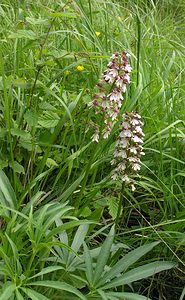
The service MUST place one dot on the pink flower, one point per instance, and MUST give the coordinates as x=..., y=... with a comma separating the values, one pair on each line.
x=108, y=100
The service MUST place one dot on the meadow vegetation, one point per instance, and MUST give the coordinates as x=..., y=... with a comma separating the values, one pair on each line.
x=68, y=230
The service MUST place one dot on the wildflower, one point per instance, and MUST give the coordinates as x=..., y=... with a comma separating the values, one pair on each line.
x=109, y=97
x=128, y=149
x=95, y=136
x=119, y=19
x=80, y=68
x=66, y=73
x=98, y=33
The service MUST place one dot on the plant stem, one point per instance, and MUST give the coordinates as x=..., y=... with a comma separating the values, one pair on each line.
x=119, y=205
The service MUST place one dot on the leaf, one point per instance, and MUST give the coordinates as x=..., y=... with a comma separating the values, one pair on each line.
x=3, y=164
x=17, y=167
x=47, y=270
x=103, y=256
x=126, y=261
x=20, y=133
x=127, y=296
x=18, y=295
x=34, y=295
x=38, y=21
x=7, y=190
x=88, y=264
x=48, y=119
x=59, y=286
x=140, y=273
x=183, y=294
x=8, y=290
x=29, y=34
x=51, y=163
x=113, y=204
x=78, y=240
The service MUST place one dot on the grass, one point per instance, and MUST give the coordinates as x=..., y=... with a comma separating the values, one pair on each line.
x=56, y=179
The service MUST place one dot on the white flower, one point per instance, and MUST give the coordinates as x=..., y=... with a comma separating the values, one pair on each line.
x=133, y=187
x=136, y=139
x=109, y=78
x=136, y=167
x=105, y=103
x=114, y=176
x=138, y=129
x=121, y=166
x=115, y=96
x=126, y=78
x=125, y=178
x=128, y=68
x=125, y=133
x=122, y=142
x=133, y=159
x=113, y=72
x=95, y=137
x=113, y=114
x=133, y=150
x=122, y=154
x=125, y=125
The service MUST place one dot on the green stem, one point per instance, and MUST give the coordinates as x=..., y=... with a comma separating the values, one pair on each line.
x=119, y=205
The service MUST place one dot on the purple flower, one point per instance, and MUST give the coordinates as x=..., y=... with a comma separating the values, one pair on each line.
x=109, y=97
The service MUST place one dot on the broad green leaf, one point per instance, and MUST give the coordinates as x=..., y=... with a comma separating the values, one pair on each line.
x=20, y=133
x=113, y=204
x=51, y=163
x=68, y=225
x=126, y=261
x=78, y=240
x=127, y=296
x=103, y=256
x=18, y=168
x=34, y=295
x=7, y=190
x=140, y=273
x=47, y=270
x=7, y=291
x=88, y=264
x=59, y=286
x=48, y=119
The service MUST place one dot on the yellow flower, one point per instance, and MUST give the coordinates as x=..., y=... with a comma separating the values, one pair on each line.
x=66, y=73
x=98, y=33
x=80, y=68
x=119, y=19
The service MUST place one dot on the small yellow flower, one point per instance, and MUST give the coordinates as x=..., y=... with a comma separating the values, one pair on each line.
x=80, y=68
x=98, y=33
x=66, y=73
x=119, y=19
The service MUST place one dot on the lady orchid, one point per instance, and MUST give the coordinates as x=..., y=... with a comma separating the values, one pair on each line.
x=108, y=100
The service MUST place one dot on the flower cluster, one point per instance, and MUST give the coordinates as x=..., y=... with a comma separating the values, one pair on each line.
x=128, y=149
x=108, y=100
